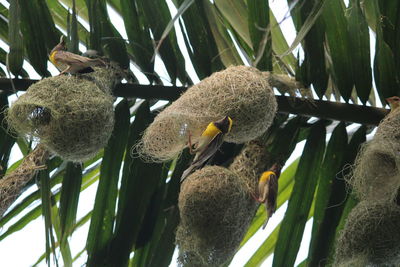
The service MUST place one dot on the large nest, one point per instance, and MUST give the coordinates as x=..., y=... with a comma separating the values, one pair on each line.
x=71, y=115
x=377, y=169
x=372, y=232
x=215, y=210
x=241, y=92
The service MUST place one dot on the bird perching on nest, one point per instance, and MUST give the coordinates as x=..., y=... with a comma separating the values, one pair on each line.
x=68, y=62
x=210, y=141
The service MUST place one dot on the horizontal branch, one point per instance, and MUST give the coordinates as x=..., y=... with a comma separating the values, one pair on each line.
x=299, y=106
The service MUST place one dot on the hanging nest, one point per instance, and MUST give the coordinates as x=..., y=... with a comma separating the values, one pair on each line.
x=241, y=92
x=216, y=208
x=12, y=184
x=215, y=211
x=371, y=234
x=376, y=174
x=71, y=115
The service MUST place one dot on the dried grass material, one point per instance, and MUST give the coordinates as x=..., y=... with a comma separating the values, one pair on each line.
x=215, y=211
x=241, y=92
x=252, y=161
x=70, y=115
x=12, y=184
x=376, y=174
x=358, y=261
x=372, y=229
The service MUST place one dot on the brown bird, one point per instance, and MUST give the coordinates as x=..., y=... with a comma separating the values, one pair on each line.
x=68, y=62
x=210, y=141
x=394, y=102
x=268, y=189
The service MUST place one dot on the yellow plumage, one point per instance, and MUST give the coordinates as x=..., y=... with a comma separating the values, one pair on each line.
x=268, y=189
x=208, y=143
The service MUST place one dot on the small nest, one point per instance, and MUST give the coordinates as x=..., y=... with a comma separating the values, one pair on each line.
x=215, y=211
x=241, y=92
x=371, y=232
x=71, y=115
x=12, y=184
x=377, y=169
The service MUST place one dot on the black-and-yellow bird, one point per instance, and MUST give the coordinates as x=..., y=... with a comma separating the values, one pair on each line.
x=209, y=142
x=394, y=102
x=68, y=62
x=268, y=189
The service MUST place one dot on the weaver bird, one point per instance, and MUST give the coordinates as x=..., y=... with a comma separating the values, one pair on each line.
x=268, y=189
x=394, y=102
x=210, y=141
x=72, y=63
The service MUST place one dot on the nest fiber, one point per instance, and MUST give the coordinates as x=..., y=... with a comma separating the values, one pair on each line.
x=241, y=92
x=376, y=174
x=71, y=115
x=13, y=183
x=372, y=229
x=215, y=211
x=251, y=162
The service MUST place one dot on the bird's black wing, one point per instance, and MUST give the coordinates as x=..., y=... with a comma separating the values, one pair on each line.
x=206, y=155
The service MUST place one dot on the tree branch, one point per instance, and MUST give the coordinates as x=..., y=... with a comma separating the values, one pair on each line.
x=299, y=106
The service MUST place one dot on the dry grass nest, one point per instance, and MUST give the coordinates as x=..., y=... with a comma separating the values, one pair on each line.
x=12, y=184
x=241, y=92
x=71, y=115
x=215, y=211
x=371, y=234
x=376, y=173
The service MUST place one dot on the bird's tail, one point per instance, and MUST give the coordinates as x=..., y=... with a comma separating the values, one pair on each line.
x=97, y=62
x=187, y=172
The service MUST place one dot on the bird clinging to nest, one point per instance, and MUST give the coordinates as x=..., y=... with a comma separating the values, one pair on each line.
x=68, y=62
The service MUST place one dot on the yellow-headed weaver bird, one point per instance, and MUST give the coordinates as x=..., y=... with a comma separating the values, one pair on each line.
x=394, y=102
x=68, y=62
x=268, y=189
x=210, y=141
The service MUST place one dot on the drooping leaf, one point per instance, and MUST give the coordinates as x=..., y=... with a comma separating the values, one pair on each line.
x=330, y=186
x=47, y=211
x=15, y=57
x=202, y=49
x=359, y=41
x=169, y=51
x=306, y=178
x=140, y=41
x=103, y=217
x=103, y=35
x=70, y=191
x=235, y=13
x=139, y=181
x=227, y=52
x=260, y=33
x=34, y=36
x=338, y=43
x=167, y=220
x=314, y=70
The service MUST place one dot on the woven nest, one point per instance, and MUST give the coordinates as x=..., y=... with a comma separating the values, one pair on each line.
x=215, y=211
x=376, y=173
x=71, y=115
x=216, y=208
x=12, y=184
x=372, y=233
x=241, y=92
